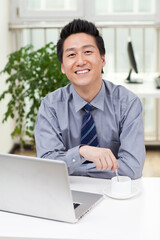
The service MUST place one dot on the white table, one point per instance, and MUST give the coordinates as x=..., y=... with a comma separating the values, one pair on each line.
x=145, y=90
x=137, y=218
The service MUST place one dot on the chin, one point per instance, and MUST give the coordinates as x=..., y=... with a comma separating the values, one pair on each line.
x=83, y=83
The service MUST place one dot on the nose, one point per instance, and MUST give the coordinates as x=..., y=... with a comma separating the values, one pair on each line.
x=81, y=60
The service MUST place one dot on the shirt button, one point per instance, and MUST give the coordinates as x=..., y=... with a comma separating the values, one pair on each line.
x=73, y=160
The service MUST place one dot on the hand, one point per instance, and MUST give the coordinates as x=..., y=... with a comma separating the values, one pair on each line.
x=102, y=157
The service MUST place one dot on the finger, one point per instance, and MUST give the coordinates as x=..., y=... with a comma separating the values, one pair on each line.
x=115, y=166
x=114, y=162
x=109, y=162
x=110, y=158
x=98, y=164
x=104, y=163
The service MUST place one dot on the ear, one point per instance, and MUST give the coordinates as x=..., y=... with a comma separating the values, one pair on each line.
x=103, y=60
x=62, y=69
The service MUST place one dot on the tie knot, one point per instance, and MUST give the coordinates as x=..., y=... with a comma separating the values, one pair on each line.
x=88, y=107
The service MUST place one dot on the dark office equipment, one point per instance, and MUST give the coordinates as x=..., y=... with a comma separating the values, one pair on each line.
x=133, y=64
x=157, y=82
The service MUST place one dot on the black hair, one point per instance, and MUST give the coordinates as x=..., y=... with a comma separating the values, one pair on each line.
x=79, y=26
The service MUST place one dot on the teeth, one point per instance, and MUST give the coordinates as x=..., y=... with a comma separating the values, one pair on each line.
x=83, y=71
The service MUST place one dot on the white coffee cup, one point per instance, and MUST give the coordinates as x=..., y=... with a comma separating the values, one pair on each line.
x=121, y=187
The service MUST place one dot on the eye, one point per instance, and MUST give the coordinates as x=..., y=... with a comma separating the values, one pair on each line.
x=71, y=55
x=88, y=52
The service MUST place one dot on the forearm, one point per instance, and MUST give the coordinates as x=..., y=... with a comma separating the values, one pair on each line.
x=131, y=155
x=71, y=157
x=131, y=161
x=50, y=142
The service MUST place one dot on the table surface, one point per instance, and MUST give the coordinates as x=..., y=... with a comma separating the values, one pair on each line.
x=145, y=90
x=136, y=218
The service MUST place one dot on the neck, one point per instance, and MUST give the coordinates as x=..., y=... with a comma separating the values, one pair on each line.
x=88, y=93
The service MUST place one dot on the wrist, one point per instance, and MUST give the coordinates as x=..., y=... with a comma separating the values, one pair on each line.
x=82, y=150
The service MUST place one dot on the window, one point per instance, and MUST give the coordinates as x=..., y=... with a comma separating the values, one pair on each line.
x=40, y=21
x=45, y=10
x=94, y=10
x=103, y=7
x=126, y=10
x=50, y=5
x=106, y=13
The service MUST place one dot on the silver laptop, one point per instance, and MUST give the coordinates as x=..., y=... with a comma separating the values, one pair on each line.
x=40, y=188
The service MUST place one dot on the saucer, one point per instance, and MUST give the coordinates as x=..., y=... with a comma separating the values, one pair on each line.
x=134, y=192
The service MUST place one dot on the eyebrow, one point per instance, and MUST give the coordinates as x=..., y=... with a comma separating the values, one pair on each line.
x=83, y=47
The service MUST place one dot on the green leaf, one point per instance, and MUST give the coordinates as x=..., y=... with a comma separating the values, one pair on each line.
x=32, y=74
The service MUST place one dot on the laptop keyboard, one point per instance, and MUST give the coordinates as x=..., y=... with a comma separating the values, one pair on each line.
x=75, y=205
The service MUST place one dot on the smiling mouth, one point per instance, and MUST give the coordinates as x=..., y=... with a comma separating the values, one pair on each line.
x=82, y=71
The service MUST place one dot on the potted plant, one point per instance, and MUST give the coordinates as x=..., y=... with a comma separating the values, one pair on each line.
x=31, y=75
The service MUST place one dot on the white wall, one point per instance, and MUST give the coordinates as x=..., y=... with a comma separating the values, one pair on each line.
x=6, y=142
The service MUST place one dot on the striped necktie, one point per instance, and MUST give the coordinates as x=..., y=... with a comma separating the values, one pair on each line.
x=88, y=129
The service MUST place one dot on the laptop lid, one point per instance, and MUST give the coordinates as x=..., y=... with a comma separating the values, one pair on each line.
x=40, y=187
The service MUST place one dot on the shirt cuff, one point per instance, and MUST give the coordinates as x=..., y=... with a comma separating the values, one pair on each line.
x=74, y=159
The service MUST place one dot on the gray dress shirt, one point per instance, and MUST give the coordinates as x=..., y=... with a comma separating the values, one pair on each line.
x=118, y=118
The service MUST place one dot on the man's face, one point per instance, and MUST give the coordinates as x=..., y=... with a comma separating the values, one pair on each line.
x=82, y=62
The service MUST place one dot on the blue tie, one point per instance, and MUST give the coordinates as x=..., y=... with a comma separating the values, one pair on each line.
x=88, y=129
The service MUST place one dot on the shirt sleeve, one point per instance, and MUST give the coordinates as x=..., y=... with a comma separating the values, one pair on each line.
x=131, y=154
x=49, y=141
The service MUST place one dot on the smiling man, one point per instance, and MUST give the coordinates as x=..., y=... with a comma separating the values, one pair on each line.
x=93, y=125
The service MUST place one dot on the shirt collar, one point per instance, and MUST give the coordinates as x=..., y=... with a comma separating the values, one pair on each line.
x=97, y=102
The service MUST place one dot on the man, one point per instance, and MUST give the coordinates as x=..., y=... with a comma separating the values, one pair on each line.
x=93, y=125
